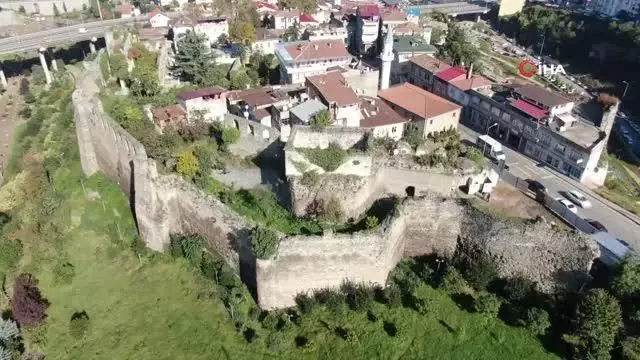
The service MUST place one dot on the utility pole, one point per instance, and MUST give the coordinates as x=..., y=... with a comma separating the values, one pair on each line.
x=99, y=10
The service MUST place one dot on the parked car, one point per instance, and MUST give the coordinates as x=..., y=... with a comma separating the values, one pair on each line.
x=578, y=198
x=535, y=186
x=568, y=204
x=596, y=225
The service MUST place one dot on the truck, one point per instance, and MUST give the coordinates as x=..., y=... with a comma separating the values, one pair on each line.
x=491, y=147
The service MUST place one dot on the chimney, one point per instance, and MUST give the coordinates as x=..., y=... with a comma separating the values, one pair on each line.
x=470, y=71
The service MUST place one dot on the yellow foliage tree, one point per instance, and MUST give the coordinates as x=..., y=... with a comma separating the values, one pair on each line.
x=188, y=164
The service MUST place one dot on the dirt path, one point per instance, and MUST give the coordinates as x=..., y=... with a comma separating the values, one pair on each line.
x=10, y=104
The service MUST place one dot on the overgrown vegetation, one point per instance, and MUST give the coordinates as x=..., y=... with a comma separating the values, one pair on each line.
x=264, y=242
x=321, y=120
x=329, y=159
x=621, y=187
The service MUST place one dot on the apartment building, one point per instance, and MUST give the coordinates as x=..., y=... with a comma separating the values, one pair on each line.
x=307, y=58
x=564, y=141
x=211, y=103
x=381, y=119
x=332, y=90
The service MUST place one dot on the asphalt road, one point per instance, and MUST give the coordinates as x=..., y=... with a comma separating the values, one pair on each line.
x=602, y=210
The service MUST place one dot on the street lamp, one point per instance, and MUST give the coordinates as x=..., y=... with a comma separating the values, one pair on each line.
x=542, y=46
x=626, y=87
x=494, y=124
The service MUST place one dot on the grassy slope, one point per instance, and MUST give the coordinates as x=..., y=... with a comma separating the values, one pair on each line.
x=154, y=307
x=620, y=187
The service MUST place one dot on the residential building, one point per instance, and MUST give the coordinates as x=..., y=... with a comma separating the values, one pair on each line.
x=406, y=47
x=393, y=17
x=422, y=70
x=211, y=103
x=454, y=82
x=127, y=10
x=306, y=20
x=613, y=7
x=565, y=141
x=158, y=19
x=266, y=40
x=304, y=112
x=265, y=8
x=258, y=104
x=370, y=15
x=546, y=100
x=329, y=33
x=211, y=28
x=306, y=58
x=510, y=7
x=282, y=20
x=172, y=115
x=332, y=89
x=409, y=28
x=424, y=110
x=381, y=119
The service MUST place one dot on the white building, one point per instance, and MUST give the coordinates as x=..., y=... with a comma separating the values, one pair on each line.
x=306, y=58
x=329, y=33
x=332, y=89
x=211, y=28
x=266, y=40
x=282, y=20
x=158, y=19
x=613, y=7
x=210, y=102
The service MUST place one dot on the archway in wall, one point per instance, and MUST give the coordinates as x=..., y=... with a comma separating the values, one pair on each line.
x=410, y=191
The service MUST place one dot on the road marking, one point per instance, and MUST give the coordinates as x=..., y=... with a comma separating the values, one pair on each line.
x=548, y=176
x=513, y=164
x=523, y=171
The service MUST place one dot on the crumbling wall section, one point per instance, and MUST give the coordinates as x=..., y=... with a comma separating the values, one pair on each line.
x=432, y=225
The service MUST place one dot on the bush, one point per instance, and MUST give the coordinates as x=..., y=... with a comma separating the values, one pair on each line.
x=536, y=320
x=332, y=299
x=321, y=120
x=188, y=164
x=607, y=100
x=480, y=272
x=393, y=296
x=359, y=297
x=413, y=136
x=371, y=222
x=230, y=135
x=271, y=320
x=79, y=324
x=487, y=304
x=264, y=242
x=8, y=331
x=305, y=303
x=189, y=247
x=28, y=305
x=310, y=178
x=329, y=159
x=421, y=304
x=10, y=253
x=452, y=282
x=333, y=211
x=476, y=156
x=518, y=289
x=194, y=130
x=205, y=155
x=63, y=273
x=630, y=348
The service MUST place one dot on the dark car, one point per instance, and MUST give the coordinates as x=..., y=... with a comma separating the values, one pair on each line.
x=596, y=224
x=535, y=186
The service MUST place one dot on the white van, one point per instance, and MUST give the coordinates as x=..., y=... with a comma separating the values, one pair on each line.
x=490, y=146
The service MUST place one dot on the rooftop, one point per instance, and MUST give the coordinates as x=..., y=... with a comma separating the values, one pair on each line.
x=394, y=15
x=369, y=10
x=315, y=50
x=268, y=34
x=258, y=97
x=409, y=28
x=150, y=33
x=125, y=8
x=306, y=18
x=429, y=63
x=457, y=76
x=376, y=112
x=161, y=114
x=333, y=87
x=287, y=13
x=417, y=101
x=540, y=95
x=452, y=73
x=307, y=109
x=529, y=109
x=412, y=43
x=266, y=5
x=188, y=95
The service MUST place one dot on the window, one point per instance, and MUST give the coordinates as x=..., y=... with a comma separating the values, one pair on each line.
x=455, y=113
x=560, y=148
x=495, y=111
x=393, y=129
x=430, y=122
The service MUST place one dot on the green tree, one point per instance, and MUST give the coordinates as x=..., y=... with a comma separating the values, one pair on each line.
x=321, y=120
x=214, y=76
x=144, y=76
x=371, y=222
x=230, y=135
x=452, y=282
x=244, y=33
x=240, y=80
x=193, y=58
x=187, y=164
x=596, y=324
x=626, y=284
x=56, y=12
x=264, y=242
x=480, y=272
x=437, y=34
x=119, y=66
x=630, y=348
x=537, y=321
x=488, y=304
x=458, y=48
x=413, y=136
x=292, y=33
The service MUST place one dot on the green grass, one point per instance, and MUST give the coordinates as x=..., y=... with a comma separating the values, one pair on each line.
x=620, y=187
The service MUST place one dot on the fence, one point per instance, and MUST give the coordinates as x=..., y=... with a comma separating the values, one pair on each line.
x=550, y=203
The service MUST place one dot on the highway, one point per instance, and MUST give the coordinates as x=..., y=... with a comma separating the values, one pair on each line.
x=619, y=222
x=62, y=35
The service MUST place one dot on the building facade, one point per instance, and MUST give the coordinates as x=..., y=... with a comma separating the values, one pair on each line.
x=210, y=103
x=306, y=58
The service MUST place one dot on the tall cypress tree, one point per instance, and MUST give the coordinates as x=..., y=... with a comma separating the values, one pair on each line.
x=192, y=58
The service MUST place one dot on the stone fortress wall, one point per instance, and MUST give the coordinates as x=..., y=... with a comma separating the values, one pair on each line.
x=166, y=204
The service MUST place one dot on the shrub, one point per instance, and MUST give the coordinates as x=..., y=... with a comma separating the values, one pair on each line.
x=332, y=299
x=452, y=282
x=189, y=247
x=305, y=303
x=518, y=288
x=10, y=253
x=270, y=320
x=250, y=335
x=230, y=135
x=188, y=164
x=205, y=155
x=371, y=222
x=630, y=348
x=536, y=321
x=194, y=130
x=487, y=304
x=310, y=178
x=28, y=305
x=413, y=136
x=422, y=304
x=321, y=120
x=79, y=324
x=476, y=156
x=329, y=159
x=393, y=296
x=333, y=211
x=480, y=272
x=264, y=242
x=63, y=273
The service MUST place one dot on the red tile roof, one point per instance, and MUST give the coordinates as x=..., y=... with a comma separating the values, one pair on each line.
x=125, y=8
x=474, y=82
x=306, y=18
x=257, y=97
x=541, y=95
x=429, y=63
x=188, y=95
x=394, y=15
x=333, y=88
x=376, y=112
x=407, y=28
x=317, y=49
x=155, y=12
x=453, y=73
x=529, y=109
x=369, y=10
x=417, y=101
x=261, y=4
x=162, y=114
